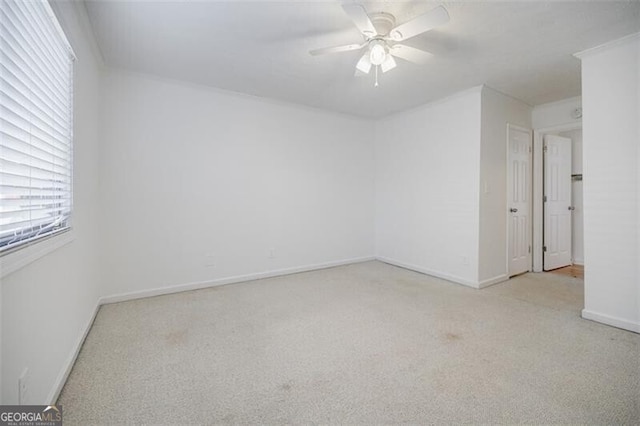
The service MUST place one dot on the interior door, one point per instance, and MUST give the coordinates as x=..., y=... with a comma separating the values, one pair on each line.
x=519, y=200
x=557, y=202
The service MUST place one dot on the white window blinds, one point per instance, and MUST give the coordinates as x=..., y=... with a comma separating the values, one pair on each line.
x=36, y=123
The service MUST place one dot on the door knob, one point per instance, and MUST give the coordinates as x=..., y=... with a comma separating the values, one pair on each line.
x=512, y=210
x=571, y=208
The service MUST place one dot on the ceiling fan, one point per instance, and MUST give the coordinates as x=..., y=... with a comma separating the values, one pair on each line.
x=382, y=38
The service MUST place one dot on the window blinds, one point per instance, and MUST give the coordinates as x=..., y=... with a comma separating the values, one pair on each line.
x=36, y=94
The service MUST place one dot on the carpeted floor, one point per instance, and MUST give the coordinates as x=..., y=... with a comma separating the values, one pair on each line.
x=366, y=343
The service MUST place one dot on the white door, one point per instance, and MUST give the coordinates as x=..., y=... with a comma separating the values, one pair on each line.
x=519, y=199
x=557, y=202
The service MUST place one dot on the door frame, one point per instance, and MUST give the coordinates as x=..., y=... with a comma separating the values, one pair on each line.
x=538, y=188
x=531, y=164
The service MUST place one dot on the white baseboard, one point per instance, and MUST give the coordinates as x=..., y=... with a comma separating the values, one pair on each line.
x=68, y=365
x=610, y=320
x=578, y=262
x=228, y=280
x=492, y=281
x=437, y=274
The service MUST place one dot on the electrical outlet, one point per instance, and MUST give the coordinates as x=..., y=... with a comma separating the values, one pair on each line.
x=272, y=253
x=210, y=260
x=23, y=387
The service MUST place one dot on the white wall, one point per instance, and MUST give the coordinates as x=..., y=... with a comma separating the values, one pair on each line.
x=47, y=304
x=498, y=110
x=611, y=160
x=556, y=113
x=427, y=180
x=189, y=171
x=577, y=231
x=187, y=176
x=441, y=186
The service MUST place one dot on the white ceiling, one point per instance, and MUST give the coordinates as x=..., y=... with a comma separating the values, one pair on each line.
x=522, y=48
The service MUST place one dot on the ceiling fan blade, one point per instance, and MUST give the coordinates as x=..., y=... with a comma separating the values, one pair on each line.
x=359, y=16
x=359, y=73
x=410, y=54
x=421, y=24
x=336, y=49
x=388, y=64
x=364, y=64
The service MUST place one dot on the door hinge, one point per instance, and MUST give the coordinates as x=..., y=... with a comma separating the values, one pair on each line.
x=545, y=148
x=529, y=249
x=544, y=198
x=544, y=248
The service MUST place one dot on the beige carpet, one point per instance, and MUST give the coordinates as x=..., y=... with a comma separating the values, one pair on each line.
x=366, y=343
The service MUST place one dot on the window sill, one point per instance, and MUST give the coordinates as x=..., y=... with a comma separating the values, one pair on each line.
x=12, y=262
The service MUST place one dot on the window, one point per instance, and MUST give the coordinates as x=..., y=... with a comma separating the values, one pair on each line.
x=36, y=124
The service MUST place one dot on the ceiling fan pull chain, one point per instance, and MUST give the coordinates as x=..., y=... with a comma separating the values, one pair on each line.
x=376, y=84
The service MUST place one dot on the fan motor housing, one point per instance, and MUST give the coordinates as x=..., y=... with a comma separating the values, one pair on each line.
x=383, y=22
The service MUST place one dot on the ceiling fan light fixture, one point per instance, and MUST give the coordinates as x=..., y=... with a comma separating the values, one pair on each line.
x=388, y=64
x=377, y=53
x=364, y=64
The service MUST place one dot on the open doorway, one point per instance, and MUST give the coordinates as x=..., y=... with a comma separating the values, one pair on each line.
x=577, y=210
x=562, y=200
x=560, y=216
